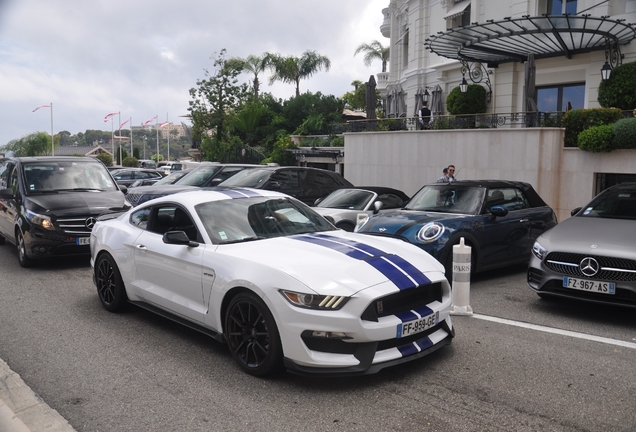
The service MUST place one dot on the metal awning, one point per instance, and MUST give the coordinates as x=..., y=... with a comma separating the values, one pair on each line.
x=509, y=40
x=457, y=10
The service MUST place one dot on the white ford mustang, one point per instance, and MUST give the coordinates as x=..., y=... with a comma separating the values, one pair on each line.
x=278, y=283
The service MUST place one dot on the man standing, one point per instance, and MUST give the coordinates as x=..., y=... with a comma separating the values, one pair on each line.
x=449, y=175
x=425, y=117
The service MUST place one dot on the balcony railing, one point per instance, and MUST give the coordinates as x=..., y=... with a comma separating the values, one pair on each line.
x=498, y=120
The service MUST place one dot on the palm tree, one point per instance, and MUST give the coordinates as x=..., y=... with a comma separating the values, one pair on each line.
x=374, y=51
x=252, y=64
x=292, y=69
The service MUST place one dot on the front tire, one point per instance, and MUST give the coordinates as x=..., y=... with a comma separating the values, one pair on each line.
x=252, y=335
x=23, y=259
x=110, y=286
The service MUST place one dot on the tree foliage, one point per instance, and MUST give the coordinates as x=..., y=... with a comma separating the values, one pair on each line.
x=620, y=90
x=471, y=102
x=35, y=144
x=212, y=105
x=374, y=51
x=357, y=99
x=254, y=65
x=291, y=69
x=105, y=158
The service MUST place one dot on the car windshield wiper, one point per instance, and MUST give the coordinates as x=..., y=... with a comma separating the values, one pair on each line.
x=79, y=189
x=245, y=239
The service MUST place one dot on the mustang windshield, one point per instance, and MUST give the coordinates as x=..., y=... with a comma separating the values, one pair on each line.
x=448, y=199
x=351, y=199
x=614, y=204
x=238, y=220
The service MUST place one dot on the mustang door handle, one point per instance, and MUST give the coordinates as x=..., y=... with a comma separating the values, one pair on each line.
x=141, y=247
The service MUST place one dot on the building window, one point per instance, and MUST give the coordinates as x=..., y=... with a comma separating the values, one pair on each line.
x=606, y=180
x=405, y=49
x=560, y=7
x=458, y=15
x=561, y=97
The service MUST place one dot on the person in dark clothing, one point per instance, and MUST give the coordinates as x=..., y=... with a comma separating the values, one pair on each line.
x=425, y=117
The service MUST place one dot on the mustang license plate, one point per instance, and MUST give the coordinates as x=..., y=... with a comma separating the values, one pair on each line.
x=418, y=325
x=589, y=285
x=82, y=240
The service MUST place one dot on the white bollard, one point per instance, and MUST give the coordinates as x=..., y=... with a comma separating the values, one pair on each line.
x=460, y=293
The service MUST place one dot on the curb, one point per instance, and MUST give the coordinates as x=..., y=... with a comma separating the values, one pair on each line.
x=21, y=410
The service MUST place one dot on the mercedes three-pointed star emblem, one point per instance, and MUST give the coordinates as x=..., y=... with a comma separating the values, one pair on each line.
x=589, y=266
x=90, y=222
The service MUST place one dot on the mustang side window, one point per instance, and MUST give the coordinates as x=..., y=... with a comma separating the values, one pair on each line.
x=140, y=218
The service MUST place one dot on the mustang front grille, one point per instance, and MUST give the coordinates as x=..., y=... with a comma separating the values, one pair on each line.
x=403, y=301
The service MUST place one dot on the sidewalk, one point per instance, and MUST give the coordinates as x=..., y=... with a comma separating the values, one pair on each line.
x=21, y=410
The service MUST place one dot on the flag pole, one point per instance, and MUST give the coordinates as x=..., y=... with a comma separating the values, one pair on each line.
x=112, y=138
x=120, y=155
x=157, y=127
x=52, y=136
x=131, y=146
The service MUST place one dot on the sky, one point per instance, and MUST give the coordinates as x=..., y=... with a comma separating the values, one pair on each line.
x=88, y=58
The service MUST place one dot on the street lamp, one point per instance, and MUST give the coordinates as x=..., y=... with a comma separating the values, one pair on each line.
x=425, y=96
x=463, y=87
x=606, y=71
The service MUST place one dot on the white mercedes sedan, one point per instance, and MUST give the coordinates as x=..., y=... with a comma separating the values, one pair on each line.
x=278, y=283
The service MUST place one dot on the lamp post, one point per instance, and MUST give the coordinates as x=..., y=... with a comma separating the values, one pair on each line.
x=463, y=87
x=425, y=95
x=606, y=71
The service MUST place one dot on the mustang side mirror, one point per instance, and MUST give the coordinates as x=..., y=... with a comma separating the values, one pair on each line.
x=377, y=206
x=273, y=186
x=178, y=238
x=575, y=211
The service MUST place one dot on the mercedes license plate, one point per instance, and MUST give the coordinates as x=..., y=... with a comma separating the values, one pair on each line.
x=589, y=285
x=418, y=325
x=82, y=241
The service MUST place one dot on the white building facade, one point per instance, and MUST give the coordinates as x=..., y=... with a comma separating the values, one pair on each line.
x=568, y=72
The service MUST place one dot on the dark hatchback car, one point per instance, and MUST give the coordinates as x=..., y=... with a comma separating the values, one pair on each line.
x=128, y=176
x=206, y=175
x=48, y=205
x=499, y=219
x=303, y=183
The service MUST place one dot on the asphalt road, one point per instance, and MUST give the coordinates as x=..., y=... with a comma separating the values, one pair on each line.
x=135, y=371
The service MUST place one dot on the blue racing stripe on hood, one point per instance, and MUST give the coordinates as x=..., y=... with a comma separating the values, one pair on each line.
x=239, y=193
x=399, y=271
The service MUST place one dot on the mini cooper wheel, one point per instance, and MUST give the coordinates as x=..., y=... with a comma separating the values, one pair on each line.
x=252, y=335
x=110, y=286
x=23, y=259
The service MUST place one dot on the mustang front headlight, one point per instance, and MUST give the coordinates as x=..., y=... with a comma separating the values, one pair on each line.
x=539, y=251
x=313, y=301
x=430, y=232
x=41, y=220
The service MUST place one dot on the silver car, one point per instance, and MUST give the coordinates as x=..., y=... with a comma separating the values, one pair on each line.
x=590, y=256
x=341, y=207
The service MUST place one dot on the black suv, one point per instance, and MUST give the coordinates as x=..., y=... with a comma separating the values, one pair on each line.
x=205, y=175
x=48, y=205
x=303, y=183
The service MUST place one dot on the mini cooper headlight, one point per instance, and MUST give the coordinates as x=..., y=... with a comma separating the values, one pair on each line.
x=313, y=301
x=539, y=251
x=41, y=220
x=430, y=232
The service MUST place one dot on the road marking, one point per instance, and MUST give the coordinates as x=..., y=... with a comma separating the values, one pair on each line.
x=557, y=331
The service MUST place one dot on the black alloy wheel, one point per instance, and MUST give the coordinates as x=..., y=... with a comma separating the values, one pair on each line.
x=252, y=334
x=23, y=259
x=110, y=286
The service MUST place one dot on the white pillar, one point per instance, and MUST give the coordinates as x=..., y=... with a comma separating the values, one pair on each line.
x=460, y=293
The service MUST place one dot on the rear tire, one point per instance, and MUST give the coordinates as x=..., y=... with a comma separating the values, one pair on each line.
x=252, y=335
x=23, y=259
x=110, y=286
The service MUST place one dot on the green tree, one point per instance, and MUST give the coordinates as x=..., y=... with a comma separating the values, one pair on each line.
x=291, y=69
x=35, y=144
x=620, y=90
x=212, y=105
x=254, y=65
x=130, y=161
x=105, y=158
x=374, y=51
x=325, y=111
x=357, y=99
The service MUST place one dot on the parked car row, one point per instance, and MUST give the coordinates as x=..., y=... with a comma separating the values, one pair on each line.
x=261, y=253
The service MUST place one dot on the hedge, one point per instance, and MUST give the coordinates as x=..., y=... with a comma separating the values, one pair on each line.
x=576, y=121
x=624, y=133
x=596, y=139
x=620, y=90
